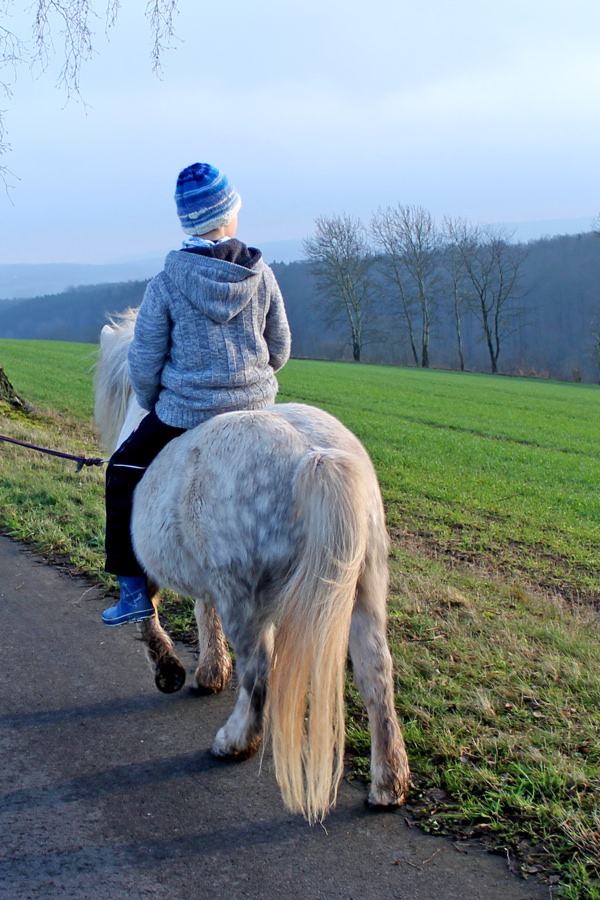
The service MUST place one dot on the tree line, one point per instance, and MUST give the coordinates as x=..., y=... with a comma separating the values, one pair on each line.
x=404, y=268
x=549, y=326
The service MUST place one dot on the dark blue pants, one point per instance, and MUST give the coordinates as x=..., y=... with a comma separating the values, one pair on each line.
x=125, y=469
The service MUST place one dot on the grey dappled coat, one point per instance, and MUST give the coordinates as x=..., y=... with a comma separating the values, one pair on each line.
x=209, y=336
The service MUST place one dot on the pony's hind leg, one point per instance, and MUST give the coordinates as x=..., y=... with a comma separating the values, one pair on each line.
x=372, y=663
x=169, y=674
x=241, y=736
x=214, y=662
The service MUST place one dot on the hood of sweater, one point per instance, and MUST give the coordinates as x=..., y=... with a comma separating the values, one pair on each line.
x=219, y=288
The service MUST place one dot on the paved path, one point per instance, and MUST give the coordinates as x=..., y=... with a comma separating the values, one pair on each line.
x=108, y=792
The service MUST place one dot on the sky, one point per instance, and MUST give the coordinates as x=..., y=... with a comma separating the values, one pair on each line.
x=474, y=108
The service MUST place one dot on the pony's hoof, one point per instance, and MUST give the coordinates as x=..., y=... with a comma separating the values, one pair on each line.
x=213, y=680
x=382, y=800
x=235, y=754
x=169, y=675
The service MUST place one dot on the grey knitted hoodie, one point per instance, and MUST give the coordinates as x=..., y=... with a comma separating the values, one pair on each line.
x=209, y=337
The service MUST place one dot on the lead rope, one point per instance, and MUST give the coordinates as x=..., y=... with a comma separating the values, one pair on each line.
x=80, y=460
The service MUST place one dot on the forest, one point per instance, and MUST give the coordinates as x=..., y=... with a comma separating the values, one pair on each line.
x=551, y=328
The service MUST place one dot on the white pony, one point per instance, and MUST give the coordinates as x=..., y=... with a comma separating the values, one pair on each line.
x=272, y=521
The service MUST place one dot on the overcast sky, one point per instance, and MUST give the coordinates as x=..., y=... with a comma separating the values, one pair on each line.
x=475, y=108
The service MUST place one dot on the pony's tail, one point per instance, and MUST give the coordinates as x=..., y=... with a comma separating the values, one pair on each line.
x=306, y=689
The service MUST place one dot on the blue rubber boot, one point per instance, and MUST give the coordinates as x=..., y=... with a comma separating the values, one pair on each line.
x=134, y=605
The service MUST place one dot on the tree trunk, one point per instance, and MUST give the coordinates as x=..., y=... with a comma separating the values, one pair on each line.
x=8, y=393
x=459, y=340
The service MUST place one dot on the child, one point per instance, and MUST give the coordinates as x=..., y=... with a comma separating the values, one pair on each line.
x=210, y=334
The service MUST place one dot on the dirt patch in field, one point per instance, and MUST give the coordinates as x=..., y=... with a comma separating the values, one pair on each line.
x=507, y=569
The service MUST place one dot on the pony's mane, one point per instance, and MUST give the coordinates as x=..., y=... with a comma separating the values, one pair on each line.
x=112, y=386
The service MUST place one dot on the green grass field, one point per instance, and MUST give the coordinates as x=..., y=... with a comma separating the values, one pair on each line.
x=491, y=491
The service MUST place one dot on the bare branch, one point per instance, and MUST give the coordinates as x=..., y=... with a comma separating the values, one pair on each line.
x=113, y=8
x=69, y=23
x=161, y=14
x=12, y=51
x=74, y=26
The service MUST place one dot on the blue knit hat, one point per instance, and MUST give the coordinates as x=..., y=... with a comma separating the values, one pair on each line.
x=205, y=199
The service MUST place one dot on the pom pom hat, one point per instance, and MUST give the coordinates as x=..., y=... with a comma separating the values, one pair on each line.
x=205, y=199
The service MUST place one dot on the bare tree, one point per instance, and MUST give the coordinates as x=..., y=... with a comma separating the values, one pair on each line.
x=490, y=267
x=409, y=241
x=341, y=260
x=68, y=25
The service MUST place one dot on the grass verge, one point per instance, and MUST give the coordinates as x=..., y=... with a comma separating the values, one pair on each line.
x=491, y=491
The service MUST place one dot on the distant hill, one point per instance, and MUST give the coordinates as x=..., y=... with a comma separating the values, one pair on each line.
x=19, y=281
x=534, y=231
x=76, y=314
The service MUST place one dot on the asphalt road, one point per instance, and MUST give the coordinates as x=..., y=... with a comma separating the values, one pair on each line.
x=108, y=791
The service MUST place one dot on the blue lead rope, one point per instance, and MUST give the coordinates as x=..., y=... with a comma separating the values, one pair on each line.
x=80, y=460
